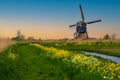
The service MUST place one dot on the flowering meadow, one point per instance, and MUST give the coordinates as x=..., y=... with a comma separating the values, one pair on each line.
x=56, y=61
x=105, y=70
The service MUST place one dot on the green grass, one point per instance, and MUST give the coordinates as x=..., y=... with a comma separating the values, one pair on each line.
x=32, y=63
x=29, y=65
x=108, y=48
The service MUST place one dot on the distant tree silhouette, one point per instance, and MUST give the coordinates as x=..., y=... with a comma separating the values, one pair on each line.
x=19, y=36
x=107, y=37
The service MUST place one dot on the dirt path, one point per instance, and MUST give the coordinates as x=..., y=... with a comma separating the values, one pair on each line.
x=5, y=43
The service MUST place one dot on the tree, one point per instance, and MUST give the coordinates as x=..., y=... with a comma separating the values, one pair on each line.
x=107, y=37
x=19, y=36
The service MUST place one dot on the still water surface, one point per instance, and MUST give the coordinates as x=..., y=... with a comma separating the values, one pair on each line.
x=113, y=58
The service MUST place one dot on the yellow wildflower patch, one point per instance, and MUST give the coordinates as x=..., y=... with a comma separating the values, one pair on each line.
x=57, y=53
x=12, y=55
x=108, y=70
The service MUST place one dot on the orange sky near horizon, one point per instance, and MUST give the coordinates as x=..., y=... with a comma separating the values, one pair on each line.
x=53, y=30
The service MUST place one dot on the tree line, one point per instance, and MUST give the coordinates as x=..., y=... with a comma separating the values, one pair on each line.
x=19, y=36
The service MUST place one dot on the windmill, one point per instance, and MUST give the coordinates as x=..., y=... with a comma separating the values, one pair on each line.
x=81, y=26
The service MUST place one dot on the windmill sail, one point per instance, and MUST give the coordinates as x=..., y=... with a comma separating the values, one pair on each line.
x=93, y=21
x=72, y=25
x=82, y=13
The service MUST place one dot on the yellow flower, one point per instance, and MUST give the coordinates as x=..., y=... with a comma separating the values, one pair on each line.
x=57, y=53
x=12, y=55
x=62, y=53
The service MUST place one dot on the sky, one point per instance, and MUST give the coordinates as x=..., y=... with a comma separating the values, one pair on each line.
x=50, y=19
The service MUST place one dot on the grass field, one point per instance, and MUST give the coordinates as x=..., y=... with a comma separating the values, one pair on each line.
x=58, y=61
